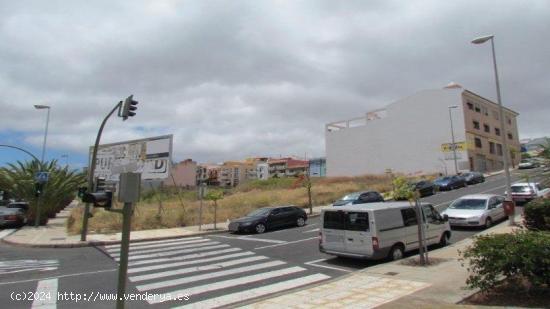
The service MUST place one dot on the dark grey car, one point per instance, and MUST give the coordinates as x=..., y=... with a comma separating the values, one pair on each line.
x=473, y=177
x=263, y=219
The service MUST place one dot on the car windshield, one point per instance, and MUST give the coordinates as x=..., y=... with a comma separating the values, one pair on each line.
x=520, y=189
x=351, y=197
x=259, y=212
x=442, y=179
x=468, y=204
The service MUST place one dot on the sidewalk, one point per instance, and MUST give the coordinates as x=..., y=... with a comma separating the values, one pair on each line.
x=54, y=234
x=391, y=285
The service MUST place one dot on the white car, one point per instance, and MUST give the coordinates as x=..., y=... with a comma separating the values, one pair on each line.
x=475, y=210
x=524, y=192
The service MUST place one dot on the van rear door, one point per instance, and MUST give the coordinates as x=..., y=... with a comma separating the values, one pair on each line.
x=358, y=239
x=333, y=232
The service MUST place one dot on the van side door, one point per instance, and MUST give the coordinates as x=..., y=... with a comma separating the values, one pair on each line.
x=358, y=238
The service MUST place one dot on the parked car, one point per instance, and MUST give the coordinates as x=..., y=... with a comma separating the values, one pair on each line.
x=359, y=198
x=524, y=192
x=378, y=230
x=526, y=164
x=473, y=177
x=424, y=187
x=450, y=182
x=476, y=210
x=14, y=214
x=263, y=219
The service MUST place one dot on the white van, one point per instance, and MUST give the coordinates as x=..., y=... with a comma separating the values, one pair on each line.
x=379, y=230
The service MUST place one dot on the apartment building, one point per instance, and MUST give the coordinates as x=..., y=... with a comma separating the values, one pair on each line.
x=233, y=173
x=413, y=136
x=183, y=174
x=208, y=174
x=317, y=167
x=285, y=167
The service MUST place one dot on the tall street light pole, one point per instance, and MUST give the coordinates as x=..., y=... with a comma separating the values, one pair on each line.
x=38, y=206
x=453, y=137
x=482, y=40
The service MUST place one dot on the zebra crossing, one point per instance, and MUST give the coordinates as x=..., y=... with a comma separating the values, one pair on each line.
x=18, y=266
x=210, y=273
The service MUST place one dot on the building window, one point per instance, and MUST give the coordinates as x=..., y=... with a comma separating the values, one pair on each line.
x=510, y=136
x=509, y=120
x=470, y=105
x=497, y=131
x=477, y=109
x=495, y=115
x=499, y=149
x=478, y=142
x=476, y=125
x=485, y=111
x=486, y=128
x=492, y=147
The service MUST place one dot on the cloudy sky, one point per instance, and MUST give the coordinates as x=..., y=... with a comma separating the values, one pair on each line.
x=232, y=79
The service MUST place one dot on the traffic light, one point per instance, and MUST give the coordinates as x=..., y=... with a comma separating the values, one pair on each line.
x=129, y=107
x=82, y=191
x=99, y=199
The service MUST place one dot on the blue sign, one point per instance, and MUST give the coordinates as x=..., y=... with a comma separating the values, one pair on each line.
x=41, y=177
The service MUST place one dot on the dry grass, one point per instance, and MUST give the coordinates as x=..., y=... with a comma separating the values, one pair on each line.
x=235, y=203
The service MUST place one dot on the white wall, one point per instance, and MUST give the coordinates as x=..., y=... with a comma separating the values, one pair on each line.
x=408, y=139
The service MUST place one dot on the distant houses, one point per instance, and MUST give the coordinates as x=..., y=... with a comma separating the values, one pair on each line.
x=188, y=173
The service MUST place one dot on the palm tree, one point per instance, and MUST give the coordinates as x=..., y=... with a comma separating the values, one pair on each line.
x=59, y=191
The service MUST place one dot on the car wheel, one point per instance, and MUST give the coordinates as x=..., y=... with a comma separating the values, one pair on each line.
x=300, y=221
x=488, y=223
x=260, y=228
x=396, y=253
x=444, y=241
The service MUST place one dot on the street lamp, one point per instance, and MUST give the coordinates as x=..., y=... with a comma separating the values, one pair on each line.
x=482, y=40
x=453, y=137
x=37, y=215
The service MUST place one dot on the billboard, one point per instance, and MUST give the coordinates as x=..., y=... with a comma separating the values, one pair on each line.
x=151, y=157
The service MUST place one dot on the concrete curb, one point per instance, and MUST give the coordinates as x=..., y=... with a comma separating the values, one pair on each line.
x=106, y=242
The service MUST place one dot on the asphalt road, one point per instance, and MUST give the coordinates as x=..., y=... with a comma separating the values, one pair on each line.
x=213, y=270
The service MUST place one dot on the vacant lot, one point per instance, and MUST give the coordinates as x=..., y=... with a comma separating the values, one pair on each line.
x=171, y=207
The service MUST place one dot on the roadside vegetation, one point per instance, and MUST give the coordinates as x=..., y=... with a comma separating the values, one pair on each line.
x=513, y=269
x=174, y=207
x=58, y=192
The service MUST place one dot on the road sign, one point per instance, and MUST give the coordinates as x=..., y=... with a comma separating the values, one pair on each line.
x=448, y=147
x=151, y=157
x=41, y=177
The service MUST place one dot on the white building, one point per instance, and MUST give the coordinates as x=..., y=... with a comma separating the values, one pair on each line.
x=413, y=136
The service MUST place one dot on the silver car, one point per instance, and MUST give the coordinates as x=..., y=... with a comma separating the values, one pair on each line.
x=475, y=210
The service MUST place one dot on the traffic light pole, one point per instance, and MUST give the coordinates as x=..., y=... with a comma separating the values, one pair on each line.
x=92, y=170
x=123, y=257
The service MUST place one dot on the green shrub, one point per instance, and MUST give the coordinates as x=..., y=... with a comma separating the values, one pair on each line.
x=536, y=214
x=402, y=189
x=520, y=255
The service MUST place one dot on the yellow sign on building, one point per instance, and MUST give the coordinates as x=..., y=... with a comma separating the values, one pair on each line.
x=448, y=147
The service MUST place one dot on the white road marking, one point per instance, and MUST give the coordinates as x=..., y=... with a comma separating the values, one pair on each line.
x=286, y=243
x=197, y=268
x=176, y=252
x=179, y=242
x=209, y=287
x=169, y=283
x=6, y=233
x=184, y=257
x=17, y=266
x=162, y=266
x=166, y=249
x=311, y=231
x=313, y=263
x=62, y=276
x=45, y=294
x=252, y=239
x=257, y=292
